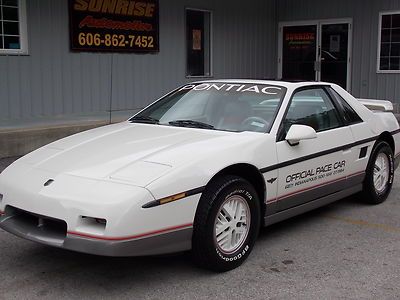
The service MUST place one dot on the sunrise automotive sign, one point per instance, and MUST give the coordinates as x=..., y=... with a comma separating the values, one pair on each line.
x=114, y=25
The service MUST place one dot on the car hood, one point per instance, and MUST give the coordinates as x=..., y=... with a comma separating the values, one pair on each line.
x=136, y=153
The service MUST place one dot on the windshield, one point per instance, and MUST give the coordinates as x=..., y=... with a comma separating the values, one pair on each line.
x=218, y=106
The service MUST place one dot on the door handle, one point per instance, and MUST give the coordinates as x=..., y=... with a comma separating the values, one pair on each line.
x=317, y=66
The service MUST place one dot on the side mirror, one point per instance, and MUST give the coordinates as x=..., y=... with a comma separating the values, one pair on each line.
x=298, y=133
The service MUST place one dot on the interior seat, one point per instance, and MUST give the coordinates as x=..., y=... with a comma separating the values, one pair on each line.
x=234, y=114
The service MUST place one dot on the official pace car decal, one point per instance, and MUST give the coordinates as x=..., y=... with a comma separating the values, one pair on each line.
x=315, y=174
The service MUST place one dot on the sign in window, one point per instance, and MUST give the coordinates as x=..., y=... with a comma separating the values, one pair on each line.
x=114, y=26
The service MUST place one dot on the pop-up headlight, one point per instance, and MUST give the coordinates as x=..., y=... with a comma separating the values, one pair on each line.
x=141, y=173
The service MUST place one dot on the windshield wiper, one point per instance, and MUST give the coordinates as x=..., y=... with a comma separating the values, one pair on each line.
x=144, y=119
x=191, y=123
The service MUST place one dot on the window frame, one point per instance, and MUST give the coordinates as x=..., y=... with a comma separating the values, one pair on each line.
x=23, y=32
x=340, y=100
x=211, y=75
x=281, y=134
x=378, y=60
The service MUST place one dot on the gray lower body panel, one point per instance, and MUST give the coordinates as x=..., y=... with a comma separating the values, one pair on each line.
x=53, y=232
x=180, y=240
x=294, y=211
x=319, y=192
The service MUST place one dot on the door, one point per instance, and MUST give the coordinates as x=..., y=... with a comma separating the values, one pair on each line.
x=317, y=167
x=299, y=52
x=316, y=51
x=334, y=53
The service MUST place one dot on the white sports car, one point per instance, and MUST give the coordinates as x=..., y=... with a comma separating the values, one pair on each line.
x=203, y=168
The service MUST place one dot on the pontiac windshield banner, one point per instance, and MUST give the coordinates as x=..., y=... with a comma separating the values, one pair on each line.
x=114, y=25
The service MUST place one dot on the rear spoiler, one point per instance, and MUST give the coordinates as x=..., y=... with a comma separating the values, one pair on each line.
x=377, y=105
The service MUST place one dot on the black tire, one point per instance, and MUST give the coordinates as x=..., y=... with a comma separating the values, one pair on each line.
x=370, y=194
x=205, y=250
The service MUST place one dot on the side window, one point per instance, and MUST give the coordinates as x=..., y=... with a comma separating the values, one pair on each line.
x=313, y=108
x=349, y=114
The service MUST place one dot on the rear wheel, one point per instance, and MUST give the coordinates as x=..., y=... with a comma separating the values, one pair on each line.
x=226, y=225
x=379, y=174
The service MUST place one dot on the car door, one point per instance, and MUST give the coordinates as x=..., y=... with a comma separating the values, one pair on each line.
x=316, y=167
x=363, y=135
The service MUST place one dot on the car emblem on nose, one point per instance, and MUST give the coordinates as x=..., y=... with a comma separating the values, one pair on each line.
x=48, y=182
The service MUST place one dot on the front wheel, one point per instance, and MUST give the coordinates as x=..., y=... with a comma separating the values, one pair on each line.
x=379, y=174
x=226, y=225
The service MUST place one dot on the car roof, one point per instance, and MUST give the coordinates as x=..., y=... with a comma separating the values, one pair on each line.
x=292, y=84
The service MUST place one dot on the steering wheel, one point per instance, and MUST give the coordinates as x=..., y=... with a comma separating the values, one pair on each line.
x=257, y=123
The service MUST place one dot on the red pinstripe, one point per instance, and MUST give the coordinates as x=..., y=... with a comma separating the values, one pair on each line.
x=125, y=238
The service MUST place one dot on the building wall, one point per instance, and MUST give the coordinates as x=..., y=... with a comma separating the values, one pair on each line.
x=53, y=83
x=366, y=82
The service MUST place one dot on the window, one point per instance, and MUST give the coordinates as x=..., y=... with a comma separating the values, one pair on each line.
x=313, y=108
x=221, y=106
x=198, y=43
x=389, y=43
x=13, y=27
x=350, y=116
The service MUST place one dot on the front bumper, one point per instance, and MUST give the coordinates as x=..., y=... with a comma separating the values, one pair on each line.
x=58, y=214
x=53, y=232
